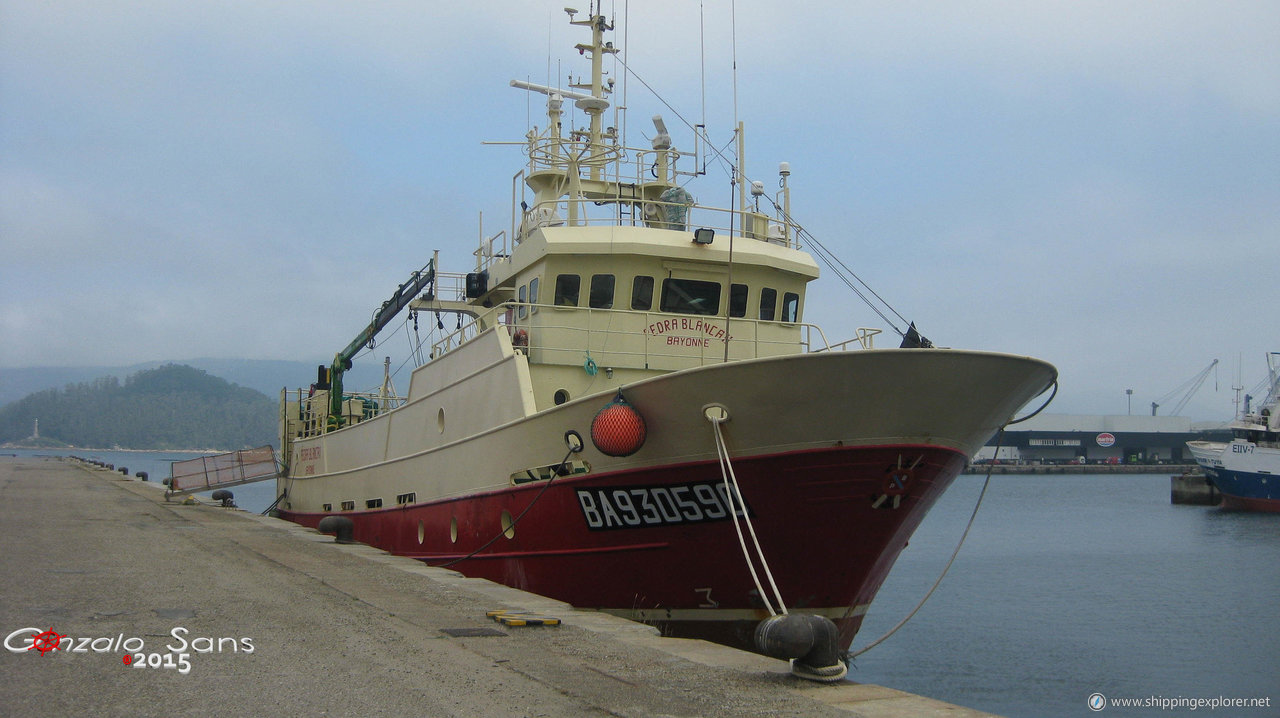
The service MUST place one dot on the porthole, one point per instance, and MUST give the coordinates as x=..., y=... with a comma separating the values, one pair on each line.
x=561, y=396
x=508, y=526
x=440, y=419
x=422, y=532
x=453, y=530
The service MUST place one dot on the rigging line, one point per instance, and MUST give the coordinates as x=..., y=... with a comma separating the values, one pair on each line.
x=516, y=520
x=814, y=240
x=825, y=255
x=735, y=496
x=702, y=54
x=833, y=261
x=733, y=47
x=946, y=568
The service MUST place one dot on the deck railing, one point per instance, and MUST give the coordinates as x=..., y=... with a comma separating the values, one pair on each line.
x=612, y=334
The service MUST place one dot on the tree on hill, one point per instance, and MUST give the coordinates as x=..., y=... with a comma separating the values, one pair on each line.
x=170, y=407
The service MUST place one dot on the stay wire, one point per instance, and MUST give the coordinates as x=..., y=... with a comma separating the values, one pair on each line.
x=846, y=275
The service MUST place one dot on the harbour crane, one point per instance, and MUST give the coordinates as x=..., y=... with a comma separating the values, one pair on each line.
x=1188, y=389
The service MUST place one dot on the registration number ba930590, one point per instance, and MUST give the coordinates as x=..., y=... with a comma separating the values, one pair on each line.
x=623, y=507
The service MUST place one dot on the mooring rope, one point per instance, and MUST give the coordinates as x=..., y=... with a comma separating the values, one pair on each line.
x=986, y=482
x=945, y=569
x=735, y=500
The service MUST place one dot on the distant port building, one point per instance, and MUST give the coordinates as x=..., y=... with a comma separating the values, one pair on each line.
x=1101, y=439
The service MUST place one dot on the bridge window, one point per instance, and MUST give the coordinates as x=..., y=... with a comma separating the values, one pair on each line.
x=791, y=307
x=768, y=303
x=601, y=296
x=533, y=295
x=737, y=300
x=567, y=286
x=642, y=293
x=523, y=310
x=690, y=296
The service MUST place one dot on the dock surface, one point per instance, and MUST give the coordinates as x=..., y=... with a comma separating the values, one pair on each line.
x=338, y=630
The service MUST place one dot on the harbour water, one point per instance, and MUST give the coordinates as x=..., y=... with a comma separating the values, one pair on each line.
x=1068, y=585
x=1079, y=584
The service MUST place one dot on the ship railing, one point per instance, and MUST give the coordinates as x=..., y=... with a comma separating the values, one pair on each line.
x=864, y=337
x=644, y=339
x=656, y=214
x=451, y=286
x=306, y=411
x=629, y=186
x=467, y=330
x=581, y=338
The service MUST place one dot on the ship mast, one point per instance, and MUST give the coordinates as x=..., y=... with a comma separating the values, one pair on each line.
x=595, y=104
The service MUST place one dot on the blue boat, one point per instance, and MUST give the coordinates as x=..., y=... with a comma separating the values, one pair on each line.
x=1247, y=470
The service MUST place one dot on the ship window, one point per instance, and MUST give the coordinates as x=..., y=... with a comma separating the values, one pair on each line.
x=737, y=300
x=690, y=296
x=348, y=505
x=406, y=498
x=567, y=286
x=642, y=293
x=533, y=295
x=522, y=311
x=373, y=504
x=601, y=296
x=768, y=302
x=791, y=307
x=326, y=507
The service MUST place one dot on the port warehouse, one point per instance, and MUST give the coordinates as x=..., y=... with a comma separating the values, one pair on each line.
x=1101, y=439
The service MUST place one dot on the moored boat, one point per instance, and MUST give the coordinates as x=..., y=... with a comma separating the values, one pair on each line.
x=633, y=416
x=1247, y=469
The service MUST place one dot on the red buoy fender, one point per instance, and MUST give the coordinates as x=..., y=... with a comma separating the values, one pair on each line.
x=618, y=429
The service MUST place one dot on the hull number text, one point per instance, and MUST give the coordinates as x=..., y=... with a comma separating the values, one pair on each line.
x=625, y=507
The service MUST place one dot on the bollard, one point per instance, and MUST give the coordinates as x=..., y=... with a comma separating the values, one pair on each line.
x=340, y=526
x=811, y=642
x=141, y=475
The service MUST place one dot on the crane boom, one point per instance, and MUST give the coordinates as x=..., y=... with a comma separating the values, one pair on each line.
x=405, y=293
x=1190, y=386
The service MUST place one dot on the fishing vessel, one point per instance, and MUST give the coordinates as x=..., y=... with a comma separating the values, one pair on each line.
x=633, y=415
x=1247, y=469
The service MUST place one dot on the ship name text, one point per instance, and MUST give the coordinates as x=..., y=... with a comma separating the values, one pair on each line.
x=706, y=332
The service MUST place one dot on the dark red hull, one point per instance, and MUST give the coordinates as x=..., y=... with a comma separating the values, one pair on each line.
x=659, y=545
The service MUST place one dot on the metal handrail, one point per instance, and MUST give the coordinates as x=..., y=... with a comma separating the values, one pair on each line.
x=811, y=337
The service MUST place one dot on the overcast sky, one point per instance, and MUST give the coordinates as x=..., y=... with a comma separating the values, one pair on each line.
x=1093, y=183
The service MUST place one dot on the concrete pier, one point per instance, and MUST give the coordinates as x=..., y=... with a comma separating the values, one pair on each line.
x=1192, y=487
x=279, y=620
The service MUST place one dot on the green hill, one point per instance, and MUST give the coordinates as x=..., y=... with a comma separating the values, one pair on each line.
x=170, y=407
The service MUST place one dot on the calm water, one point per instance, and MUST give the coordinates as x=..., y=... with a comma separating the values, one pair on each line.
x=1067, y=586
x=1071, y=585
